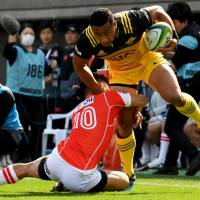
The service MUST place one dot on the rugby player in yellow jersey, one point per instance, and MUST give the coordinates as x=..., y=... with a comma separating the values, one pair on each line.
x=118, y=39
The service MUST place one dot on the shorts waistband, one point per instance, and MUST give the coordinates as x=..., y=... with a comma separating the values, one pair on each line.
x=134, y=86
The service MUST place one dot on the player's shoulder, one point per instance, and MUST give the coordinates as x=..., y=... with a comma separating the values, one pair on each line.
x=87, y=44
x=132, y=18
x=87, y=38
x=124, y=19
x=119, y=98
x=112, y=94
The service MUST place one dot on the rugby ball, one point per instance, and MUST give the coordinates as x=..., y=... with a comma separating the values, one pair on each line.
x=158, y=35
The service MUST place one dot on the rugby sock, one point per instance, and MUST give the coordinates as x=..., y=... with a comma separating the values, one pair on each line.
x=190, y=109
x=154, y=151
x=164, y=144
x=126, y=147
x=146, y=151
x=8, y=175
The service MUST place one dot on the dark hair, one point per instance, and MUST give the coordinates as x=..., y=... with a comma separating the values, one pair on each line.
x=25, y=25
x=83, y=87
x=46, y=24
x=73, y=28
x=180, y=11
x=101, y=16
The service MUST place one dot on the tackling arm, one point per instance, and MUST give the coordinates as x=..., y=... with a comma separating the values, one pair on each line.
x=85, y=74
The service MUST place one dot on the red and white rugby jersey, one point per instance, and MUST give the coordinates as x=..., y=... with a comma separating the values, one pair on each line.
x=93, y=126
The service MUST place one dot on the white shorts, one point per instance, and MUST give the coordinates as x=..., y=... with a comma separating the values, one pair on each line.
x=72, y=178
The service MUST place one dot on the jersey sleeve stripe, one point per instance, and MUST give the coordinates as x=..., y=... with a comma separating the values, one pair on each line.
x=126, y=23
x=88, y=36
x=123, y=23
x=126, y=97
x=129, y=22
x=92, y=35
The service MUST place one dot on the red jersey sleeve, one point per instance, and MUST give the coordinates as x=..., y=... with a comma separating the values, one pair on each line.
x=118, y=98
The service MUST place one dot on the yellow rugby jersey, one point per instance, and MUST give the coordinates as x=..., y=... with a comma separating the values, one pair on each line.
x=127, y=47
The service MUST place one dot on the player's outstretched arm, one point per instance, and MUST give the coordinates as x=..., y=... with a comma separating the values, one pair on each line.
x=138, y=100
x=85, y=74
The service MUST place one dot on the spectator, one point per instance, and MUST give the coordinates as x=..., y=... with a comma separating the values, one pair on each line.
x=69, y=78
x=25, y=75
x=11, y=132
x=53, y=56
x=186, y=59
x=155, y=132
x=158, y=111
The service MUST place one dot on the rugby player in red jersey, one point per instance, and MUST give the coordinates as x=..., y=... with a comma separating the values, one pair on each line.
x=74, y=160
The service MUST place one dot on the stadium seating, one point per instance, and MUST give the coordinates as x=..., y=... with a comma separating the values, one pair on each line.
x=59, y=134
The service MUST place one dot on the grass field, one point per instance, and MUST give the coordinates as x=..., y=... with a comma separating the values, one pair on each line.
x=147, y=187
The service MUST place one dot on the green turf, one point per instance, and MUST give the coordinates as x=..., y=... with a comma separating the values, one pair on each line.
x=147, y=187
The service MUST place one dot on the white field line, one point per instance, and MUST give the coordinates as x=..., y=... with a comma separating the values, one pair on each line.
x=168, y=185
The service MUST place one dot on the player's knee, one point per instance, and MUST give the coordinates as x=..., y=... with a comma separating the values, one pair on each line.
x=124, y=132
x=125, y=183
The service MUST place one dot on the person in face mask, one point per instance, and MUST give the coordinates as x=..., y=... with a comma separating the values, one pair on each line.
x=25, y=75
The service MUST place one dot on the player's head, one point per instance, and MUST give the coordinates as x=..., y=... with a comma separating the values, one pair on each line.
x=84, y=90
x=103, y=26
x=181, y=14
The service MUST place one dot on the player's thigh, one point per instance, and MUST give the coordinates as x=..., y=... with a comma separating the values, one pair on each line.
x=116, y=180
x=164, y=81
x=83, y=180
x=74, y=179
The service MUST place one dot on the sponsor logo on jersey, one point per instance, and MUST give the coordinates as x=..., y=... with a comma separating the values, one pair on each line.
x=84, y=103
x=101, y=53
x=121, y=56
x=88, y=101
x=130, y=40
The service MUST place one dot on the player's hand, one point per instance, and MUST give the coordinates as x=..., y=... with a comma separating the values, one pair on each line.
x=137, y=118
x=170, y=48
x=104, y=86
x=194, y=134
x=53, y=64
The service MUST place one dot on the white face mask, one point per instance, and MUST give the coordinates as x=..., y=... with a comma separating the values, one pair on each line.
x=27, y=40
